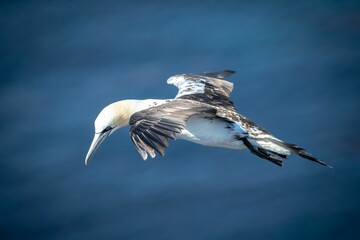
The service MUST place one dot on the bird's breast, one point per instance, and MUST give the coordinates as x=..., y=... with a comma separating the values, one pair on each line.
x=211, y=132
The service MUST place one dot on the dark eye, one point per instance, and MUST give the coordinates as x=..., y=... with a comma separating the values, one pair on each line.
x=108, y=128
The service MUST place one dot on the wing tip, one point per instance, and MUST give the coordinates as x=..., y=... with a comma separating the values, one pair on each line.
x=230, y=71
x=218, y=74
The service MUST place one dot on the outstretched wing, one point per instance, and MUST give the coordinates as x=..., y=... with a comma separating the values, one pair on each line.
x=151, y=128
x=210, y=88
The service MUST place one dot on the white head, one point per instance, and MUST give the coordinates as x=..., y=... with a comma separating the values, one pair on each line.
x=111, y=118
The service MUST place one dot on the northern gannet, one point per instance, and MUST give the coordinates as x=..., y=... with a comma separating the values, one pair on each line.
x=201, y=112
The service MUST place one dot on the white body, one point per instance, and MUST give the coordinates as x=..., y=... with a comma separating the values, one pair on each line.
x=210, y=132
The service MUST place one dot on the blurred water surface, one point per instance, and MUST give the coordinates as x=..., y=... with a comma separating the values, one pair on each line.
x=297, y=75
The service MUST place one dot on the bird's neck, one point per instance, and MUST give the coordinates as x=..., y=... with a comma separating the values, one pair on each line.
x=121, y=111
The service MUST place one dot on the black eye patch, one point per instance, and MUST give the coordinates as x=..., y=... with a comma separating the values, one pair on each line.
x=108, y=128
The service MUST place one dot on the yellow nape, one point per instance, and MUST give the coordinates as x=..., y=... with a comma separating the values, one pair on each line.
x=115, y=115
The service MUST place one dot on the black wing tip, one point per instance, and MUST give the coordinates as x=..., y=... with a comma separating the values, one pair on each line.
x=219, y=74
x=274, y=160
x=230, y=71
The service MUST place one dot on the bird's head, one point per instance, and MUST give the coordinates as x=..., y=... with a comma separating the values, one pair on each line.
x=111, y=118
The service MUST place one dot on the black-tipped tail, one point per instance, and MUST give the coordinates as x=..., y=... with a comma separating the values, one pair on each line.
x=278, y=151
x=300, y=151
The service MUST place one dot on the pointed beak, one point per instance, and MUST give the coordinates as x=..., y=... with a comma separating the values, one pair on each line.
x=98, y=139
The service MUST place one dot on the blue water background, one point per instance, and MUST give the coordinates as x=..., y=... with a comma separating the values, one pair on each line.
x=298, y=75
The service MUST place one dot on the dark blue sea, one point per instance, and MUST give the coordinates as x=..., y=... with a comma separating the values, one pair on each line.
x=298, y=76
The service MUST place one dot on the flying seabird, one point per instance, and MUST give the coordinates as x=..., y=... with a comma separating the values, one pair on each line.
x=201, y=112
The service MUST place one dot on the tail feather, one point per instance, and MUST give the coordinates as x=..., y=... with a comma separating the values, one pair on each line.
x=261, y=152
x=276, y=151
x=299, y=151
